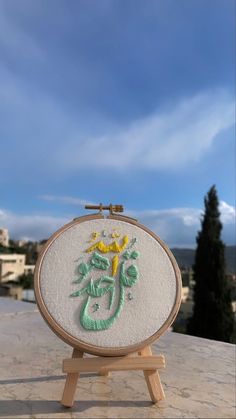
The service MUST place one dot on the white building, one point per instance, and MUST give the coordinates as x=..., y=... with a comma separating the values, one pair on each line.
x=184, y=294
x=11, y=267
x=4, y=237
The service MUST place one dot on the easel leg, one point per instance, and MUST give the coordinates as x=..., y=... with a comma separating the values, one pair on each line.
x=153, y=379
x=71, y=383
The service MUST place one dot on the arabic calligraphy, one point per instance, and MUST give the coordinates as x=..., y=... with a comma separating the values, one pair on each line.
x=125, y=273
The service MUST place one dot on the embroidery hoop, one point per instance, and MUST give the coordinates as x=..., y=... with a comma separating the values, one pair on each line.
x=80, y=344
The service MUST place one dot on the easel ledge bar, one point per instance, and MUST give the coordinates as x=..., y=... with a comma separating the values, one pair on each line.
x=146, y=363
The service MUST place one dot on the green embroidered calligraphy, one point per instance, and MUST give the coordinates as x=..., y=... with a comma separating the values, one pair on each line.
x=123, y=272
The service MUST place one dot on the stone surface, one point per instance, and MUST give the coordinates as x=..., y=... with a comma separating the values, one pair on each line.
x=9, y=306
x=199, y=379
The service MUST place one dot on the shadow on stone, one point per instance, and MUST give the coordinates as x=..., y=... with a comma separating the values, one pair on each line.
x=40, y=379
x=17, y=408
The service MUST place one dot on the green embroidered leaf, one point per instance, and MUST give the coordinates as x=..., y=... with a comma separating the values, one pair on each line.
x=78, y=293
x=83, y=268
x=134, y=255
x=100, y=262
x=132, y=271
x=126, y=255
x=128, y=282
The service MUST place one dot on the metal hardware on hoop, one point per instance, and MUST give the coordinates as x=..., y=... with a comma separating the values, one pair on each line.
x=111, y=208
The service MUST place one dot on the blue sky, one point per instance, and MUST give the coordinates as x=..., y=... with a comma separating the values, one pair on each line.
x=111, y=101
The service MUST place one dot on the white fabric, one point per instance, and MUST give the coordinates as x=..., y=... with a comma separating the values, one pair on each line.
x=153, y=294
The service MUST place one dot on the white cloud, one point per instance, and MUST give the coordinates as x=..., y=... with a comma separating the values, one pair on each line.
x=176, y=226
x=69, y=138
x=179, y=226
x=34, y=227
x=163, y=140
x=50, y=133
x=228, y=213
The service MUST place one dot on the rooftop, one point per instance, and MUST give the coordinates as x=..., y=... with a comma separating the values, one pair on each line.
x=10, y=256
x=199, y=379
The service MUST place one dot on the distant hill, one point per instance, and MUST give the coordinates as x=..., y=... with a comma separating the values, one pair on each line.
x=185, y=257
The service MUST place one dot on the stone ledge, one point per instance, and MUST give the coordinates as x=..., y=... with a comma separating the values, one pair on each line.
x=199, y=379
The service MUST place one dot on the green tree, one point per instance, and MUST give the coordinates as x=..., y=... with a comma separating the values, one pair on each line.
x=27, y=281
x=212, y=314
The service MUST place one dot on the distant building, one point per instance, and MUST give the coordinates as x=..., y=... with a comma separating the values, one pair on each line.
x=21, y=243
x=39, y=246
x=187, y=284
x=29, y=269
x=234, y=308
x=185, y=312
x=11, y=290
x=186, y=308
x=4, y=237
x=185, y=294
x=11, y=267
x=232, y=285
x=28, y=295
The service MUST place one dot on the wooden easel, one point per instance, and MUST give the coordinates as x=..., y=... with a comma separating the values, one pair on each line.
x=145, y=361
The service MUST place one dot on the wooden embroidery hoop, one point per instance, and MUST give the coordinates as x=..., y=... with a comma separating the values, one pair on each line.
x=133, y=357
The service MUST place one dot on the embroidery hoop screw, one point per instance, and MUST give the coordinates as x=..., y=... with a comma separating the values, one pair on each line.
x=111, y=208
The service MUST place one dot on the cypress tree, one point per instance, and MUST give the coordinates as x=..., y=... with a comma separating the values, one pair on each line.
x=212, y=313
